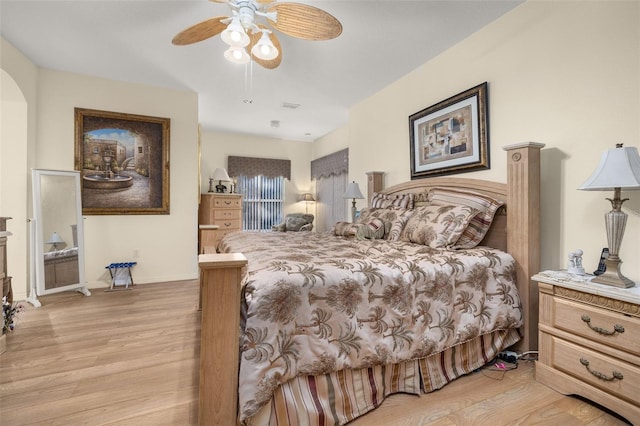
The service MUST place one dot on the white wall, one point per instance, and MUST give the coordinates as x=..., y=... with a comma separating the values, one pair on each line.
x=566, y=74
x=217, y=146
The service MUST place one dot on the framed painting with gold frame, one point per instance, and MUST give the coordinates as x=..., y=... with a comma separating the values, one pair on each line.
x=451, y=136
x=124, y=162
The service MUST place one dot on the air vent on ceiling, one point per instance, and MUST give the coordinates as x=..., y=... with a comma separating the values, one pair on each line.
x=290, y=105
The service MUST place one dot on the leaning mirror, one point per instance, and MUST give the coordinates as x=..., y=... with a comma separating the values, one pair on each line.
x=58, y=232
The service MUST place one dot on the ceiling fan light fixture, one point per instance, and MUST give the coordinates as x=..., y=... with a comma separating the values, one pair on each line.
x=264, y=48
x=235, y=35
x=237, y=55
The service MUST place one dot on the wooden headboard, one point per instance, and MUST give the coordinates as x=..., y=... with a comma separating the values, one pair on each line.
x=516, y=226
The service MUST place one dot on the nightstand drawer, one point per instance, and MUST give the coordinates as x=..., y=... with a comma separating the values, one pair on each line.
x=610, y=374
x=596, y=324
x=227, y=224
x=226, y=214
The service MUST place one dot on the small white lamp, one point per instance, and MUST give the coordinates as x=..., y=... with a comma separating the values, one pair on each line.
x=220, y=175
x=619, y=168
x=353, y=192
x=55, y=240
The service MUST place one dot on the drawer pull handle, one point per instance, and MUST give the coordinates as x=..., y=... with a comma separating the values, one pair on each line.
x=617, y=328
x=616, y=375
x=227, y=224
x=227, y=203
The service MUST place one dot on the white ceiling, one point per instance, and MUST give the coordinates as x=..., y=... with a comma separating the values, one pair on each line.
x=130, y=40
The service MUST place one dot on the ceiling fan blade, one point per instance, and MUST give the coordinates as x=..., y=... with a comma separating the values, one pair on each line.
x=270, y=63
x=201, y=31
x=304, y=21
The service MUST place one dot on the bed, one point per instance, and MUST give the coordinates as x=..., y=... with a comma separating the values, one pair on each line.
x=332, y=324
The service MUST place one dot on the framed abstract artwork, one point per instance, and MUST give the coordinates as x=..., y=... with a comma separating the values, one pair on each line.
x=451, y=136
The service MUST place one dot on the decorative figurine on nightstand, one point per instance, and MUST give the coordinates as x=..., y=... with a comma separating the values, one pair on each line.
x=575, y=262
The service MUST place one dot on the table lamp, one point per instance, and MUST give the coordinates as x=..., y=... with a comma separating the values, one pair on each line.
x=307, y=198
x=220, y=175
x=54, y=240
x=353, y=192
x=619, y=169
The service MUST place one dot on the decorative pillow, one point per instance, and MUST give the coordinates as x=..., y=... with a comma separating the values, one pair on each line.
x=387, y=215
x=437, y=226
x=397, y=226
x=380, y=201
x=480, y=224
x=346, y=229
x=373, y=229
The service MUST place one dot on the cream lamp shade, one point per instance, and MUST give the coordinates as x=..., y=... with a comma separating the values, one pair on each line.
x=220, y=175
x=307, y=197
x=353, y=192
x=619, y=169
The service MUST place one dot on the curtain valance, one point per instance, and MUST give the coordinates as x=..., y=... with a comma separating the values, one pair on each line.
x=251, y=166
x=332, y=164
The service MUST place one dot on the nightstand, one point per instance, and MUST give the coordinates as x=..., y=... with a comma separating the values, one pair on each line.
x=589, y=341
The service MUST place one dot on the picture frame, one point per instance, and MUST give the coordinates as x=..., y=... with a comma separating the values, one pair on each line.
x=451, y=136
x=123, y=161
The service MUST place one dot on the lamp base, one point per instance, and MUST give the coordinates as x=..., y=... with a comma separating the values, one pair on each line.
x=613, y=276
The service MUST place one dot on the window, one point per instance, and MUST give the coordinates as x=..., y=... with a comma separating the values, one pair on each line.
x=263, y=202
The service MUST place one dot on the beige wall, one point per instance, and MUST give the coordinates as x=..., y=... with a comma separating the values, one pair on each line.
x=18, y=93
x=166, y=243
x=566, y=74
x=216, y=147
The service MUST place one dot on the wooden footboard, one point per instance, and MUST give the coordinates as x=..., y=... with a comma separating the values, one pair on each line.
x=221, y=276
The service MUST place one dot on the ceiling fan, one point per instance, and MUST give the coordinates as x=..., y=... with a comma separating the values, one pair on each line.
x=249, y=39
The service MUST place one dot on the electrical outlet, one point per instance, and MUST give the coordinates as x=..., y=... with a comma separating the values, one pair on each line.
x=136, y=253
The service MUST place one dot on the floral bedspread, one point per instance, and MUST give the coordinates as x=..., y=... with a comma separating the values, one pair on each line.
x=316, y=303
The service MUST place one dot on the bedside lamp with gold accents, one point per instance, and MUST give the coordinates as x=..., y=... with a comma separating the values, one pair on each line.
x=619, y=169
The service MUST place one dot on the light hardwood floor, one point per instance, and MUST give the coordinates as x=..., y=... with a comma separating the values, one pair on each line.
x=131, y=358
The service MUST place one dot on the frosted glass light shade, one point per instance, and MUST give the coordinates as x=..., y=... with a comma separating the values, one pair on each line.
x=237, y=55
x=264, y=48
x=235, y=35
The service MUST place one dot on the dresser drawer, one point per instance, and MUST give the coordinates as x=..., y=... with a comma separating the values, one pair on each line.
x=599, y=370
x=227, y=203
x=596, y=324
x=228, y=224
x=226, y=214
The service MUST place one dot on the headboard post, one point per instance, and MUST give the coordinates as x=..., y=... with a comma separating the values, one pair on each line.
x=374, y=184
x=523, y=230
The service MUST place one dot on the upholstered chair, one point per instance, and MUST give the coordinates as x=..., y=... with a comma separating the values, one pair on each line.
x=295, y=222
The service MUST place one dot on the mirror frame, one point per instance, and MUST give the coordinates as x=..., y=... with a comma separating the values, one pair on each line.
x=39, y=237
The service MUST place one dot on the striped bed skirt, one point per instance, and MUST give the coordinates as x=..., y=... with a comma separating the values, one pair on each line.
x=337, y=398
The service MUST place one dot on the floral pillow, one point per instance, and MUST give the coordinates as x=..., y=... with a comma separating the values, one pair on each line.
x=479, y=225
x=437, y=226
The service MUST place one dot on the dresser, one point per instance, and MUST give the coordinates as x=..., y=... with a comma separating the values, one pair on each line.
x=589, y=341
x=222, y=210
